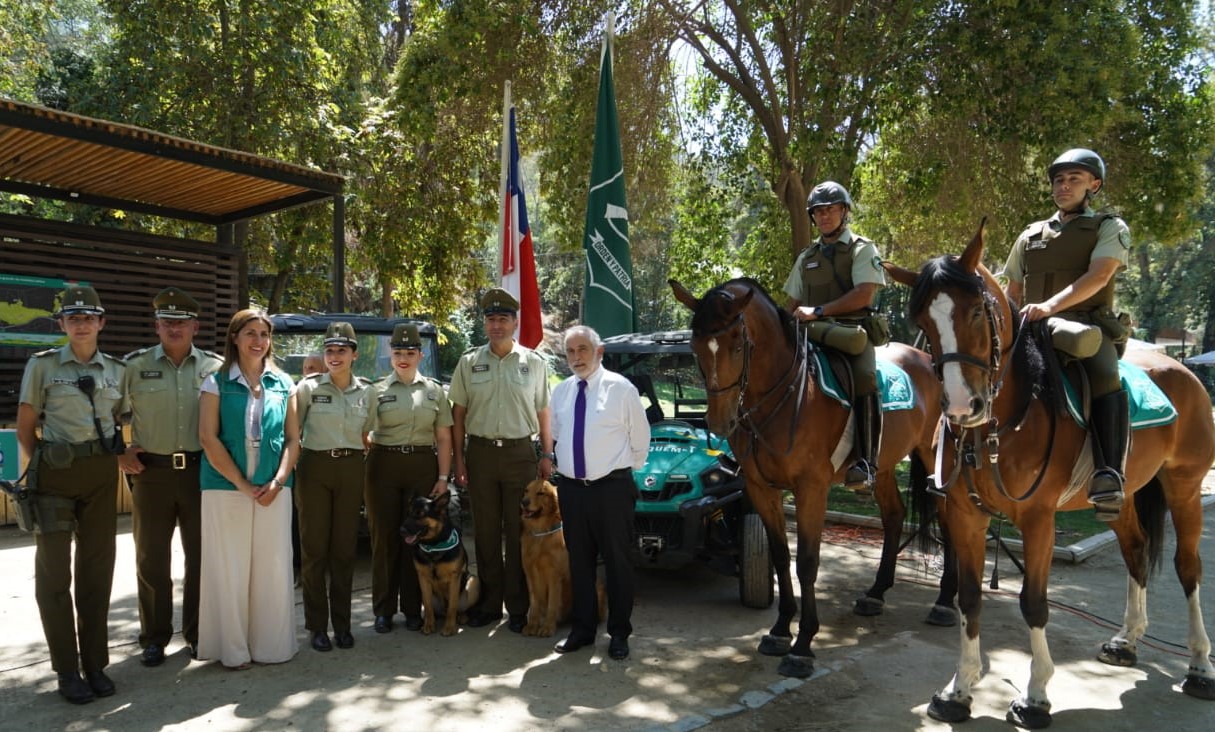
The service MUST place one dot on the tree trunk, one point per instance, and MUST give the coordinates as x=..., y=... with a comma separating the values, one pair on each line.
x=387, y=308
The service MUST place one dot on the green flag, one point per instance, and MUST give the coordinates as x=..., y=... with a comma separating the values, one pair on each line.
x=607, y=298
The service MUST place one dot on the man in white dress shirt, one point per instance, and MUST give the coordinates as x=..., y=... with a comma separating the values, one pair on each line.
x=602, y=436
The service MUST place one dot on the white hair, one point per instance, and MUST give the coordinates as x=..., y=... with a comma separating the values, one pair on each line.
x=582, y=330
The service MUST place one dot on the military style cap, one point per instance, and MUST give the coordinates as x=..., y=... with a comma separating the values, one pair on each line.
x=497, y=301
x=80, y=299
x=340, y=334
x=174, y=304
x=405, y=335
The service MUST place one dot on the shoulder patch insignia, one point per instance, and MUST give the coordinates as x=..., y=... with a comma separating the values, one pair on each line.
x=877, y=263
x=1124, y=238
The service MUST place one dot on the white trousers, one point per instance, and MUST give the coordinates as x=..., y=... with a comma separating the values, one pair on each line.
x=247, y=601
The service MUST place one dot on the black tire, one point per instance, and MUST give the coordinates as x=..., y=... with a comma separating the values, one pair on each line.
x=754, y=564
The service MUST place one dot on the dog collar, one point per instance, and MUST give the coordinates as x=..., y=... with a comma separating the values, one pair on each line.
x=553, y=530
x=438, y=547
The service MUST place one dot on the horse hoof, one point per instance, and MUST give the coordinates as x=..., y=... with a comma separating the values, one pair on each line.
x=1028, y=716
x=942, y=617
x=948, y=710
x=1199, y=687
x=775, y=645
x=798, y=667
x=1117, y=655
x=867, y=606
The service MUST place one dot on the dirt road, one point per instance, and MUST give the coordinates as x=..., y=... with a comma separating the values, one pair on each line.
x=693, y=663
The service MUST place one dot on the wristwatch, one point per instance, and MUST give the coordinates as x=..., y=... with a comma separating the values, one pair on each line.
x=818, y=311
x=550, y=455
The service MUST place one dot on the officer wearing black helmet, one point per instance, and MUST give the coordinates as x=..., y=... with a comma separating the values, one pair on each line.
x=1064, y=267
x=836, y=279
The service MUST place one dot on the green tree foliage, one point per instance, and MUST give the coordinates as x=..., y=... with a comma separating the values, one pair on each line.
x=1009, y=86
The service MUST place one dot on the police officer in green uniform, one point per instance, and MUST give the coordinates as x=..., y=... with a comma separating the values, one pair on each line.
x=334, y=415
x=836, y=279
x=162, y=462
x=74, y=394
x=499, y=394
x=1064, y=267
x=410, y=456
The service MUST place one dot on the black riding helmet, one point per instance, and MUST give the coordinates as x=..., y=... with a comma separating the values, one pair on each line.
x=1078, y=157
x=827, y=193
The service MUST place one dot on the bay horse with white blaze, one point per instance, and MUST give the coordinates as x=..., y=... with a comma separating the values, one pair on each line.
x=784, y=429
x=1010, y=450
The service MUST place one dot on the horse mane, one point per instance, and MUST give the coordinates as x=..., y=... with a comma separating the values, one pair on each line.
x=716, y=303
x=1030, y=353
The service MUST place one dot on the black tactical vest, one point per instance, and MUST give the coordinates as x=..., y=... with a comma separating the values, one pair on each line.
x=1053, y=260
x=827, y=273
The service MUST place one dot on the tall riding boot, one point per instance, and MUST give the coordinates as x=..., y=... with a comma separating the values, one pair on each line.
x=866, y=437
x=1110, y=428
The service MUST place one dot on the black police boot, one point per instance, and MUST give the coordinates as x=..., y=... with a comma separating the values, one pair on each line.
x=1110, y=428
x=867, y=434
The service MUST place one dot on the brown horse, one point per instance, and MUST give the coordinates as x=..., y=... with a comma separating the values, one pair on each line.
x=1016, y=458
x=784, y=429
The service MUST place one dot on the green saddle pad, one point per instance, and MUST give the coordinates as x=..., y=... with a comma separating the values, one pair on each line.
x=1149, y=407
x=893, y=382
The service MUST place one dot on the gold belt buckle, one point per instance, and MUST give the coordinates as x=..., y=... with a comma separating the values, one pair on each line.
x=179, y=460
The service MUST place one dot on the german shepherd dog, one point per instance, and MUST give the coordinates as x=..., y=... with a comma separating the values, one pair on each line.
x=545, y=560
x=441, y=561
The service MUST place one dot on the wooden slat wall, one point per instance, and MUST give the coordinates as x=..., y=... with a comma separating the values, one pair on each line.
x=127, y=269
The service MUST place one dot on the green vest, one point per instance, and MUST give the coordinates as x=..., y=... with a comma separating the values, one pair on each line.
x=827, y=274
x=233, y=400
x=1053, y=260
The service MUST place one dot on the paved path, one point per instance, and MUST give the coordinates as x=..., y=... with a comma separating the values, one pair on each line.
x=693, y=663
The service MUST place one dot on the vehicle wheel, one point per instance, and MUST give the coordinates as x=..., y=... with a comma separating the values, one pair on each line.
x=754, y=564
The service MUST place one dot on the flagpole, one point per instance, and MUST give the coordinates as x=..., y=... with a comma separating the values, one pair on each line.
x=503, y=175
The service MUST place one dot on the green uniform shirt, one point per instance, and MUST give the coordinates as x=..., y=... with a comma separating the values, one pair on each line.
x=331, y=418
x=502, y=395
x=407, y=414
x=162, y=398
x=50, y=387
x=866, y=267
x=1113, y=241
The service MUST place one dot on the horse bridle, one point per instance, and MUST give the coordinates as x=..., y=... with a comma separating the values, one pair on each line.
x=967, y=452
x=793, y=382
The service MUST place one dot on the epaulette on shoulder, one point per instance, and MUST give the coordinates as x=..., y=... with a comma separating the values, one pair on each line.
x=47, y=352
x=212, y=354
x=364, y=380
x=312, y=377
x=470, y=350
x=136, y=352
x=115, y=359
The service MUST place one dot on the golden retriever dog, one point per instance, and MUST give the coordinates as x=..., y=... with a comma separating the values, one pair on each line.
x=545, y=561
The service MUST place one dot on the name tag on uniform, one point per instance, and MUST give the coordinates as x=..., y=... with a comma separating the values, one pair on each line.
x=151, y=374
x=67, y=382
x=480, y=367
x=386, y=398
x=1035, y=244
x=812, y=264
x=321, y=399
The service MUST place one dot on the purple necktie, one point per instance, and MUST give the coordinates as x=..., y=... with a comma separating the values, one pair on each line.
x=580, y=431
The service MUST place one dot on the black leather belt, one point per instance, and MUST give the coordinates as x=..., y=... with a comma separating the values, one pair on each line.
x=617, y=474
x=337, y=452
x=177, y=460
x=407, y=449
x=498, y=442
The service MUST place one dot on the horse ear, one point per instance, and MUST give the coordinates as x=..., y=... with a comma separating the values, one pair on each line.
x=682, y=295
x=900, y=275
x=973, y=256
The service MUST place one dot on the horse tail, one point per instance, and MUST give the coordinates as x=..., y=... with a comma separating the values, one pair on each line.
x=1151, y=508
x=923, y=506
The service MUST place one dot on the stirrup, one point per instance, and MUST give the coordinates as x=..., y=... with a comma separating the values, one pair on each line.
x=1107, y=499
x=860, y=477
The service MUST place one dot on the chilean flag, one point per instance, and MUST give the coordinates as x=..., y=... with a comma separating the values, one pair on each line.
x=518, y=258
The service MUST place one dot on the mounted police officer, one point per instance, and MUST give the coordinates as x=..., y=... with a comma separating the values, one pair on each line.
x=74, y=394
x=836, y=280
x=1064, y=267
x=162, y=464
